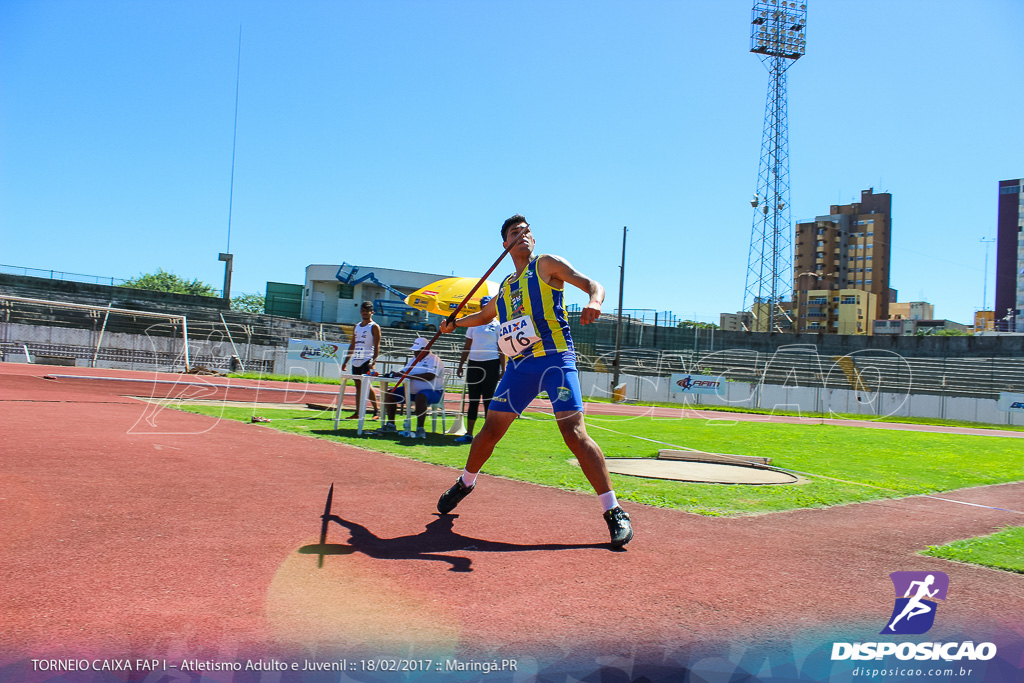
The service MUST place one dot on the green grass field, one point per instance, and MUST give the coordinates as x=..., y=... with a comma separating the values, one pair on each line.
x=1002, y=550
x=723, y=409
x=838, y=464
x=813, y=415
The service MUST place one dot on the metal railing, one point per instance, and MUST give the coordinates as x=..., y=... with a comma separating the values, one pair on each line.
x=61, y=275
x=74, y=277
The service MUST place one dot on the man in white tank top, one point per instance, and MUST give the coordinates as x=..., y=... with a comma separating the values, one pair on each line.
x=363, y=352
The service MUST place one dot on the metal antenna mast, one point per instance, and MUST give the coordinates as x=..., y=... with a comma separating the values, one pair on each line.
x=777, y=35
x=984, y=288
x=234, y=136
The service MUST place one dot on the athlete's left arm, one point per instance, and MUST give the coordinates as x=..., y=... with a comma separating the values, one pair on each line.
x=555, y=271
x=376, y=344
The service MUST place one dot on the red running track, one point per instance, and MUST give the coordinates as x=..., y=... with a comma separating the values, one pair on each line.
x=128, y=532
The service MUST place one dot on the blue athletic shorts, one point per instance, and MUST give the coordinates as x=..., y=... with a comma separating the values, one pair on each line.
x=523, y=380
x=433, y=396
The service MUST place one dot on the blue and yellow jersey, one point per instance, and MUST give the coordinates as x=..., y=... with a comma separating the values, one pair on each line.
x=528, y=295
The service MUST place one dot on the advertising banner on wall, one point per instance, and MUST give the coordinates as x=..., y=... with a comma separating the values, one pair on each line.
x=317, y=351
x=1011, y=403
x=683, y=383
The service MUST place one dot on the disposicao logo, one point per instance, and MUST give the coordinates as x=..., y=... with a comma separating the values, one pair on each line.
x=916, y=594
x=913, y=614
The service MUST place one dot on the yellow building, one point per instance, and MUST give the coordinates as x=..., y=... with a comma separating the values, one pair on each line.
x=836, y=311
x=760, y=314
x=984, y=321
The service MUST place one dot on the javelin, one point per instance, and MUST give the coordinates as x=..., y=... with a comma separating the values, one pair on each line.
x=451, y=318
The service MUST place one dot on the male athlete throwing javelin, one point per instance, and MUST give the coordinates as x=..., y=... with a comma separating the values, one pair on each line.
x=534, y=334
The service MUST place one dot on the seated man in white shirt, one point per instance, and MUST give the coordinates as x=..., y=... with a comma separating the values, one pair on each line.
x=426, y=386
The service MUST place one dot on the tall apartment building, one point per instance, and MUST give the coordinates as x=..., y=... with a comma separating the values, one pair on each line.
x=848, y=249
x=1009, y=311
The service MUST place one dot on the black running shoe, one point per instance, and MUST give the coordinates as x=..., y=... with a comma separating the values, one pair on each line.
x=453, y=496
x=619, y=526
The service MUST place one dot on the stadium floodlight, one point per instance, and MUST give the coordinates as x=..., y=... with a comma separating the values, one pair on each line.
x=778, y=35
x=786, y=23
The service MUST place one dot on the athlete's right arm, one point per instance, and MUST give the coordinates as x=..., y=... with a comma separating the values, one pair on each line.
x=351, y=349
x=482, y=317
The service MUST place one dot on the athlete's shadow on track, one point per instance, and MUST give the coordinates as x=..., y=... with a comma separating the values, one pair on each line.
x=437, y=538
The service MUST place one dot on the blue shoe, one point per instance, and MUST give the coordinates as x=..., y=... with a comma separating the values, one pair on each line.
x=465, y=438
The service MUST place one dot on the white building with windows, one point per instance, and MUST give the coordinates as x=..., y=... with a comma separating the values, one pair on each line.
x=333, y=294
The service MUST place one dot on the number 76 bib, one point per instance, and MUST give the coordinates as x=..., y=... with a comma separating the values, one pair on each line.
x=516, y=335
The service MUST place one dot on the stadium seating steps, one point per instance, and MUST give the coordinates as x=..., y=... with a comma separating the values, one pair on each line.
x=979, y=377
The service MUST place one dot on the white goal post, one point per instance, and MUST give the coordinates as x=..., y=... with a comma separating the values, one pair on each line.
x=94, y=312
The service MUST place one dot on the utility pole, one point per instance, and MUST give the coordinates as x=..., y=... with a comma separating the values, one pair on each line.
x=984, y=290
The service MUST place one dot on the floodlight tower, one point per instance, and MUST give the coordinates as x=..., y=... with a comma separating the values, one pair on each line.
x=777, y=35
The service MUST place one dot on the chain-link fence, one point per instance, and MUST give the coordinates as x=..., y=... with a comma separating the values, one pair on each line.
x=794, y=377
x=868, y=383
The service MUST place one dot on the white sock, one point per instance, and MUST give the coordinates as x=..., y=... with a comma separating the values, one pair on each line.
x=608, y=500
x=469, y=478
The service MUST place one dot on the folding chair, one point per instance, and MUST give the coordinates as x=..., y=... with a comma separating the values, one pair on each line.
x=457, y=385
x=448, y=379
x=432, y=409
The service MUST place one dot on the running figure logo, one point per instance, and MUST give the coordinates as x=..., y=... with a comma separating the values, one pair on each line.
x=914, y=612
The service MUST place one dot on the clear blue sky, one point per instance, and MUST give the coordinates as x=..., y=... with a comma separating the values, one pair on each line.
x=401, y=134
